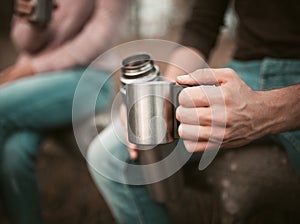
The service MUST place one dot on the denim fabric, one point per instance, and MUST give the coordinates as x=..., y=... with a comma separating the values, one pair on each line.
x=129, y=204
x=132, y=204
x=28, y=107
x=272, y=74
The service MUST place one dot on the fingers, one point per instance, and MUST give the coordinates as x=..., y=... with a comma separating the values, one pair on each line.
x=200, y=146
x=123, y=115
x=194, y=116
x=199, y=77
x=131, y=147
x=200, y=96
x=25, y=7
x=7, y=75
x=194, y=132
x=201, y=133
x=132, y=151
x=193, y=97
x=205, y=116
x=206, y=76
x=202, y=110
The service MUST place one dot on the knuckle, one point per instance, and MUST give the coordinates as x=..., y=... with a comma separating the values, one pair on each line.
x=201, y=118
x=184, y=96
x=226, y=97
x=181, y=97
x=190, y=146
x=179, y=113
x=228, y=71
x=200, y=147
x=196, y=74
x=227, y=135
x=180, y=133
x=189, y=149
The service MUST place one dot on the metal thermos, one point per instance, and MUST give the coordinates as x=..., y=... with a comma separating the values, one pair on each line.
x=151, y=104
x=42, y=12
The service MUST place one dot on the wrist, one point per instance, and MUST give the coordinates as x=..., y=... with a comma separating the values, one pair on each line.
x=273, y=118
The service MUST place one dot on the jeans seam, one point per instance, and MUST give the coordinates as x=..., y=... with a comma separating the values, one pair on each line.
x=140, y=216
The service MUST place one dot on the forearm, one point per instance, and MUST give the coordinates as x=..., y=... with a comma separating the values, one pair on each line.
x=15, y=72
x=282, y=109
x=199, y=36
x=202, y=27
x=184, y=60
x=188, y=57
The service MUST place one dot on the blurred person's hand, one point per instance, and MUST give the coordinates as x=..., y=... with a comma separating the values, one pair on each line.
x=16, y=72
x=25, y=8
x=132, y=148
x=238, y=113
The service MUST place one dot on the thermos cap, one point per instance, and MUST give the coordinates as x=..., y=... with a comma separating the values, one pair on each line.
x=138, y=68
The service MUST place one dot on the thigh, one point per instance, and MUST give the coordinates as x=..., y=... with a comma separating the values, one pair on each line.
x=107, y=159
x=249, y=72
x=107, y=154
x=42, y=101
x=19, y=153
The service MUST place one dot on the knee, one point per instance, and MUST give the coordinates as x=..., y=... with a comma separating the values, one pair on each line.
x=106, y=157
x=105, y=95
x=93, y=159
x=96, y=158
x=19, y=155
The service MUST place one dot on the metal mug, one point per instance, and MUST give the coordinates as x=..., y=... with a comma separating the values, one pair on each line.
x=151, y=110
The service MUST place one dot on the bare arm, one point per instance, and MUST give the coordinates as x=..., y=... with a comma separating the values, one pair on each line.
x=282, y=109
x=92, y=40
x=184, y=60
x=27, y=36
x=199, y=36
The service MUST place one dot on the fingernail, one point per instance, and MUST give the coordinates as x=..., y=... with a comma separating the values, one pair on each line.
x=133, y=155
x=180, y=130
x=183, y=78
x=178, y=114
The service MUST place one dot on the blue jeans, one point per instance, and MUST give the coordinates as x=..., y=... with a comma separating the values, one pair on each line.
x=133, y=204
x=28, y=107
x=272, y=74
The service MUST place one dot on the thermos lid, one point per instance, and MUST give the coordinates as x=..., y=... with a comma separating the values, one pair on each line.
x=138, y=68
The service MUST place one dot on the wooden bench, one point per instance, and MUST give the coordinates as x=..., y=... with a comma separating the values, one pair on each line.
x=254, y=182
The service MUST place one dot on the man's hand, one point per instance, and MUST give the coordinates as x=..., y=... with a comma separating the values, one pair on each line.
x=228, y=112
x=132, y=148
x=16, y=72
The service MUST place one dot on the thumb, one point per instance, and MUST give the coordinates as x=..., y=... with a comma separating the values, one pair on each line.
x=200, y=77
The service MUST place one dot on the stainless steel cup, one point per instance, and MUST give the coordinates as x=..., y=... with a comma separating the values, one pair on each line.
x=151, y=112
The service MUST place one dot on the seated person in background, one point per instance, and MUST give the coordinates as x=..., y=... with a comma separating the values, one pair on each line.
x=36, y=93
x=265, y=103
